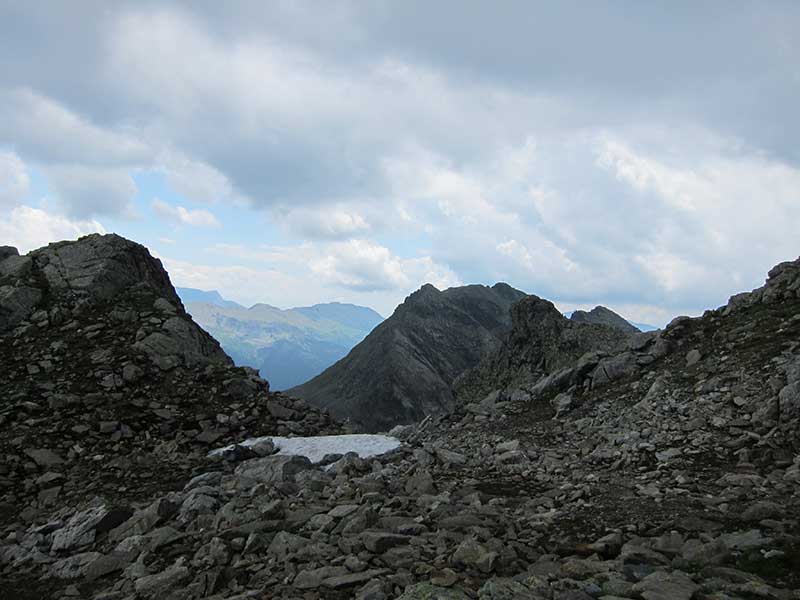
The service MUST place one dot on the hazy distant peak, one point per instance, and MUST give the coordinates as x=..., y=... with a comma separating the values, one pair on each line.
x=206, y=296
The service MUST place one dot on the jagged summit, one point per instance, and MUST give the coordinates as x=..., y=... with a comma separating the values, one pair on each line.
x=540, y=342
x=600, y=315
x=402, y=371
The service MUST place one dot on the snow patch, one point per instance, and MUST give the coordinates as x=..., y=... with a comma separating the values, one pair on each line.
x=315, y=448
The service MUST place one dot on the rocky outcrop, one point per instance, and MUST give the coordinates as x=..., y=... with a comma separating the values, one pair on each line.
x=107, y=386
x=403, y=370
x=600, y=315
x=541, y=342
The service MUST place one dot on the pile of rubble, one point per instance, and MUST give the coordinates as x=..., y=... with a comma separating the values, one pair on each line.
x=676, y=478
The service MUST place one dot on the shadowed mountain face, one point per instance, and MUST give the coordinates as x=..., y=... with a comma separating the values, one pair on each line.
x=192, y=295
x=288, y=347
x=541, y=342
x=403, y=370
x=600, y=315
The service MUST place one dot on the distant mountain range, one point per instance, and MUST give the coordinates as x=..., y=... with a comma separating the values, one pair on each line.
x=289, y=346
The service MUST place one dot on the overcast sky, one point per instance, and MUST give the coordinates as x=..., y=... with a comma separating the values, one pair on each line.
x=641, y=155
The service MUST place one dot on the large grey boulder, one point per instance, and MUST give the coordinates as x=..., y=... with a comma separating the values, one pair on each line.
x=79, y=530
x=271, y=469
x=155, y=586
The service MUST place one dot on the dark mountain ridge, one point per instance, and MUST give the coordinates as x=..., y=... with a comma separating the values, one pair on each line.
x=402, y=371
x=540, y=342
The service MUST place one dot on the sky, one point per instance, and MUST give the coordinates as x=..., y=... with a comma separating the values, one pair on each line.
x=643, y=156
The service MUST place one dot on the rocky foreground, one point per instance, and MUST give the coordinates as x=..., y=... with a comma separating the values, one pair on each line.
x=665, y=466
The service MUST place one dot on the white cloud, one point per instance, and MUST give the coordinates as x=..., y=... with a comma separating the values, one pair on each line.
x=363, y=265
x=29, y=228
x=14, y=179
x=544, y=172
x=197, y=218
x=358, y=271
x=195, y=179
x=326, y=222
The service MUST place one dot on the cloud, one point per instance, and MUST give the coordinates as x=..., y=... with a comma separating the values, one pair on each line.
x=636, y=156
x=45, y=131
x=326, y=223
x=14, y=179
x=363, y=265
x=29, y=228
x=358, y=270
x=179, y=214
x=84, y=191
x=197, y=180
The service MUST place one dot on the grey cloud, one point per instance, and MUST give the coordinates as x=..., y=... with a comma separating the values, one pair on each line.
x=303, y=108
x=86, y=192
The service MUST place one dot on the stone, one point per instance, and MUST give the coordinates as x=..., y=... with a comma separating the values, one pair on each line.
x=506, y=589
x=157, y=585
x=450, y=457
x=660, y=585
x=75, y=566
x=338, y=582
x=758, y=511
x=271, y=469
x=44, y=457
x=693, y=357
x=379, y=541
x=427, y=591
x=79, y=530
x=471, y=554
x=342, y=510
x=279, y=411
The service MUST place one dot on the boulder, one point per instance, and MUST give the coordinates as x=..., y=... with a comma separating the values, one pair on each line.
x=271, y=469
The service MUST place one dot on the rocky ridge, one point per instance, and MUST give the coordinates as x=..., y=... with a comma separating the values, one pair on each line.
x=675, y=478
x=108, y=386
x=542, y=348
x=404, y=368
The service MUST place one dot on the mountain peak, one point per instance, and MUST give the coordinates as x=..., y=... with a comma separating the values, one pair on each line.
x=600, y=315
x=402, y=371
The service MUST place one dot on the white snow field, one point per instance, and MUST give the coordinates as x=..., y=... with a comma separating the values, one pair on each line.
x=315, y=448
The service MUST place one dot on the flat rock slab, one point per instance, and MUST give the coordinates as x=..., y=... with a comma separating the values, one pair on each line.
x=271, y=469
x=352, y=579
x=666, y=586
x=426, y=591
